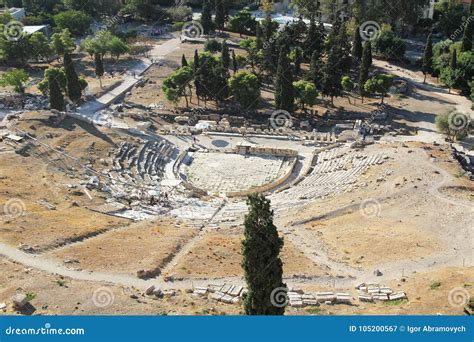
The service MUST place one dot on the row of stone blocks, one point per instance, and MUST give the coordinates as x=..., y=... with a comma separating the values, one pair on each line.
x=371, y=293
x=226, y=293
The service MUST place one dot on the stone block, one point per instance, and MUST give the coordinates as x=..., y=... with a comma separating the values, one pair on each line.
x=216, y=295
x=19, y=300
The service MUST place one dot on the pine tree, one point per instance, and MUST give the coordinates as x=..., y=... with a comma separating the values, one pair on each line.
x=453, y=63
x=225, y=56
x=262, y=265
x=197, y=75
x=467, y=36
x=221, y=14
x=99, y=67
x=357, y=45
x=56, y=97
x=235, y=65
x=74, y=89
x=284, y=92
x=428, y=57
x=206, y=17
x=365, y=66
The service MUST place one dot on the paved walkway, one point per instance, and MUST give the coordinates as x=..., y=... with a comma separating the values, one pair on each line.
x=134, y=75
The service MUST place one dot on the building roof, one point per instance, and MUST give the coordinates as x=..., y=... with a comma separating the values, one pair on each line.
x=34, y=28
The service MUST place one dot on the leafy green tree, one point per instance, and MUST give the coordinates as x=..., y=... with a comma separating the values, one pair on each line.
x=450, y=77
x=389, y=46
x=427, y=67
x=15, y=78
x=453, y=124
x=177, y=85
x=243, y=23
x=117, y=47
x=206, y=17
x=99, y=67
x=249, y=45
x=263, y=268
x=348, y=86
x=40, y=46
x=77, y=22
x=284, y=92
x=305, y=93
x=62, y=42
x=97, y=44
x=245, y=88
x=212, y=45
x=296, y=56
x=379, y=84
x=213, y=78
x=15, y=52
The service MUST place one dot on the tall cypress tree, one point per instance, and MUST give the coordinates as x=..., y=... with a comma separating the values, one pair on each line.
x=357, y=45
x=56, y=97
x=262, y=265
x=284, y=92
x=365, y=66
x=184, y=61
x=428, y=57
x=467, y=36
x=74, y=90
x=99, y=67
x=315, y=74
x=258, y=37
x=453, y=63
x=197, y=75
x=235, y=65
x=206, y=17
x=332, y=75
x=225, y=56
x=221, y=14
